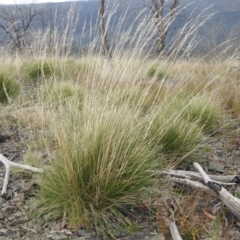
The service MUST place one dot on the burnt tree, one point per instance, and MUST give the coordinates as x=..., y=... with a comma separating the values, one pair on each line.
x=103, y=30
x=162, y=18
x=16, y=21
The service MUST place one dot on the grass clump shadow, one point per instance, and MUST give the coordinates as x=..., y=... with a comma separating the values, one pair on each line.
x=100, y=166
x=8, y=88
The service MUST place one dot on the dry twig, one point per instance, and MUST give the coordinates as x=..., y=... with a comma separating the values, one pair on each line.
x=231, y=202
x=170, y=222
x=222, y=180
x=8, y=164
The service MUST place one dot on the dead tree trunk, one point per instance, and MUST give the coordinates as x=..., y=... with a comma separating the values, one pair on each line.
x=161, y=21
x=103, y=31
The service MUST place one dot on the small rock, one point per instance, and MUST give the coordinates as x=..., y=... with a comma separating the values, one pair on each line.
x=119, y=234
x=18, y=214
x=238, y=224
x=2, y=201
x=2, y=238
x=145, y=224
x=7, y=211
x=18, y=199
x=11, y=217
x=217, y=167
x=9, y=234
x=27, y=186
x=158, y=237
x=85, y=233
x=2, y=231
x=80, y=233
x=18, y=221
x=56, y=236
x=8, y=195
x=1, y=216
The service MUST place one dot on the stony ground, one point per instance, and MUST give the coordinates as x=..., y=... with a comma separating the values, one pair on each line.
x=219, y=154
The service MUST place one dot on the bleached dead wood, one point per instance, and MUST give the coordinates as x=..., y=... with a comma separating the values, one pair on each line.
x=193, y=184
x=231, y=202
x=226, y=180
x=8, y=164
x=174, y=230
x=223, y=180
x=169, y=219
x=211, y=184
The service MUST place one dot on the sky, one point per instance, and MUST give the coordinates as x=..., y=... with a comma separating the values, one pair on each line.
x=29, y=1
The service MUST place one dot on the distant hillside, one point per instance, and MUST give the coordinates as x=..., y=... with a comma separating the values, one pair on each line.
x=222, y=24
x=226, y=15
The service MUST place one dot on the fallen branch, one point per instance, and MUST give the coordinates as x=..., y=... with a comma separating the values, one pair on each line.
x=231, y=202
x=174, y=230
x=223, y=180
x=191, y=183
x=169, y=219
x=231, y=179
x=8, y=164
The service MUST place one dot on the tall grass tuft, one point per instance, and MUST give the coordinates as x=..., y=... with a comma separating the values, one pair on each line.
x=100, y=166
x=205, y=111
x=172, y=135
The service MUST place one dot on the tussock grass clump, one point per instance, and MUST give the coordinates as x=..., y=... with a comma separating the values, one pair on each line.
x=155, y=72
x=100, y=166
x=178, y=123
x=205, y=111
x=174, y=135
x=60, y=92
x=180, y=137
x=73, y=68
x=8, y=88
x=38, y=69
